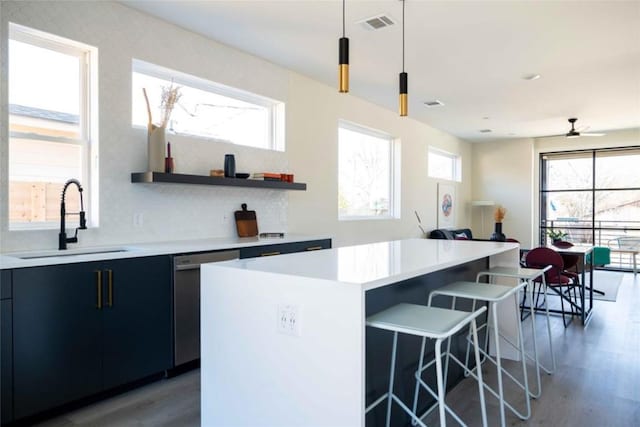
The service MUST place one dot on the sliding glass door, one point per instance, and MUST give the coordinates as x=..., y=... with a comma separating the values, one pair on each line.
x=594, y=197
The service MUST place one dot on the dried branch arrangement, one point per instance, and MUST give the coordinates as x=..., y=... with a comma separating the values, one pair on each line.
x=499, y=213
x=169, y=98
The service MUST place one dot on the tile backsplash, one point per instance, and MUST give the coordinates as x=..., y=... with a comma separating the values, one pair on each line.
x=130, y=213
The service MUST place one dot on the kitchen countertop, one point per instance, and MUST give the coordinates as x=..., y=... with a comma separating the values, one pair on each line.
x=375, y=264
x=134, y=250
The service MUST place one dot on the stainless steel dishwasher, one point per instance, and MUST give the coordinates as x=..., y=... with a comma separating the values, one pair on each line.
x=186, y=302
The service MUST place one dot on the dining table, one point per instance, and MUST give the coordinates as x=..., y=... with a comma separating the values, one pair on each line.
x=584, y=262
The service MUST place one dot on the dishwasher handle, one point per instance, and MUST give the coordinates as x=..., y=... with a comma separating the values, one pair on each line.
x=193, y=261
x=183, y=267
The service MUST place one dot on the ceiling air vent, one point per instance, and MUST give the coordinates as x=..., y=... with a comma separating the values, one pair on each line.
x=485, y=131
x=377, y=22
x=434, y=103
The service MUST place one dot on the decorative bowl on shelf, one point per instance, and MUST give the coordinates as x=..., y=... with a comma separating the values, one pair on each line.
x=243, y=175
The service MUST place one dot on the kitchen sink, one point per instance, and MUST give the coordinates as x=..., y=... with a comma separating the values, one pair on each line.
x=69, y=252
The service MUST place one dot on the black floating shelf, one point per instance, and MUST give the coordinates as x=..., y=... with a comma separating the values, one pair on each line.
x=179, y=178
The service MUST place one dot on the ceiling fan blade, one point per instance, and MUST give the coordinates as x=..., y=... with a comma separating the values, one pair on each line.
x=592, y=134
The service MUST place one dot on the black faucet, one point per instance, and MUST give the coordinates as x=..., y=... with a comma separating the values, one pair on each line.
x=62, y=236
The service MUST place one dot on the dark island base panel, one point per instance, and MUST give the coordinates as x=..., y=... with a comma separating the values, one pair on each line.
x=379, y=342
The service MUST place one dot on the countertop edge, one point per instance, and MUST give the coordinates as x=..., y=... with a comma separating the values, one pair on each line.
x=249, y=264
x=138, y=250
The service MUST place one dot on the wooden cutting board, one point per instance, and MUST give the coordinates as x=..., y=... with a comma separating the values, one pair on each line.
x=246, y=222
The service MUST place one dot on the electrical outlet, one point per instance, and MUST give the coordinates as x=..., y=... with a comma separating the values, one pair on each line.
x=289, y=320
x=138, y=219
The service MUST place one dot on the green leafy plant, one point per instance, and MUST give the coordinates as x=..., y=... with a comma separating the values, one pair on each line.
x=556, y=234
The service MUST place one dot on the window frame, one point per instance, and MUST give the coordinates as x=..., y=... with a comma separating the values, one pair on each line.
x=87, y=115
x=594, y=232
x=275, y=108
x=455, y=158
x=394, y=172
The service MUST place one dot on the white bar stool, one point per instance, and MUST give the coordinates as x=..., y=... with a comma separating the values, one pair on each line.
x=427, y=322
x=529, y=275
x=492, y=294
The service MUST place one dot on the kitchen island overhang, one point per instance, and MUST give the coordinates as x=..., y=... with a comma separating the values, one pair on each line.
x=283, y=338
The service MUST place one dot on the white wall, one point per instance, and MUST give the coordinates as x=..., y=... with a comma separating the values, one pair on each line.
x=503, y=173
x=186, y=212
x=314, y=120
x=507, y=172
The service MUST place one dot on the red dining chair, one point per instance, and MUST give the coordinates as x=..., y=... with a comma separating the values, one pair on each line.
x=555, y=279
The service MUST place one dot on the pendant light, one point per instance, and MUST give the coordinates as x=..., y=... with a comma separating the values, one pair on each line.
x=404, y=78
x=343, y=59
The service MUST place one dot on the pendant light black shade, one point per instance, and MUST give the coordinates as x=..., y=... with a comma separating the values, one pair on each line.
x=343, y=65
x=404, y=100
x=404, y=78
x=343, y=59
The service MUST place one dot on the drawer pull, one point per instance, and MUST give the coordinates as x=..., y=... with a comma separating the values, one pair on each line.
x=99, y=289
x=270, y=253
x=314, y=248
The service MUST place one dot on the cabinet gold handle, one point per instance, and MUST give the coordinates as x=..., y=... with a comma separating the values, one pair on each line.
x=110, y=288
x=270, y=253
x=314, y=248
x=99, y=289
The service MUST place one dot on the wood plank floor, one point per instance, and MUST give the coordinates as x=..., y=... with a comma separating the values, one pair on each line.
x=597, y=382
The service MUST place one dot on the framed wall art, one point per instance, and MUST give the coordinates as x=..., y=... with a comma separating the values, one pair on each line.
x=446, y=205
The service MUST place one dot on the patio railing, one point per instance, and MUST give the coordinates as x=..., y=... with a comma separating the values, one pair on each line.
x=611, y=234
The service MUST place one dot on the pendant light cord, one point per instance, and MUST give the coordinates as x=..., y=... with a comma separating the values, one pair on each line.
x=343, y=1
x=403, y=1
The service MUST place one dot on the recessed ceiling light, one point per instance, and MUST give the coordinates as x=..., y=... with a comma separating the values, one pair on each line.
x=434, y=103
x=485, y=131
x=531, y=77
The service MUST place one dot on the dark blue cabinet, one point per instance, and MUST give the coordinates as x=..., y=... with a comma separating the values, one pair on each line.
x=56, y=336
x=6, y=347
x=137, y=320
x=79, y=329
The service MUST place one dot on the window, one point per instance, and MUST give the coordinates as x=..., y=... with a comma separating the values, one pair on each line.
x=366, y=173
x=444, y=165
x=50, y=127
x=593, y=196
x=207, y=109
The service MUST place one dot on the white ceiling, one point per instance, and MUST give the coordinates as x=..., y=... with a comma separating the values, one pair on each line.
x=471, y=55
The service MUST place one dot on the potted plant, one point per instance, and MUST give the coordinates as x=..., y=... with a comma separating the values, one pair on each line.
x=556, y=235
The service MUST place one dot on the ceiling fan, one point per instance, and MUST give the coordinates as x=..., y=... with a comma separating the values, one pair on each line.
x=573, y=133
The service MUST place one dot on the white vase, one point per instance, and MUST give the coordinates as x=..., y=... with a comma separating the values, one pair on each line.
x=156, y=144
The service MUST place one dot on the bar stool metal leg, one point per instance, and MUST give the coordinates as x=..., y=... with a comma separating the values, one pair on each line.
x=392, y=371
x=441, y=379
x=476, y=351
x=437, y=324
x=528, y=276
x=420, y=368
x=493, y=294
x=496, y=337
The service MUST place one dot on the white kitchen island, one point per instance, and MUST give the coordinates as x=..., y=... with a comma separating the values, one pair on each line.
x=283, y=338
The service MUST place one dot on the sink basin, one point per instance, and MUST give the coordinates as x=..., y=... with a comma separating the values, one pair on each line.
x=68, y=252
